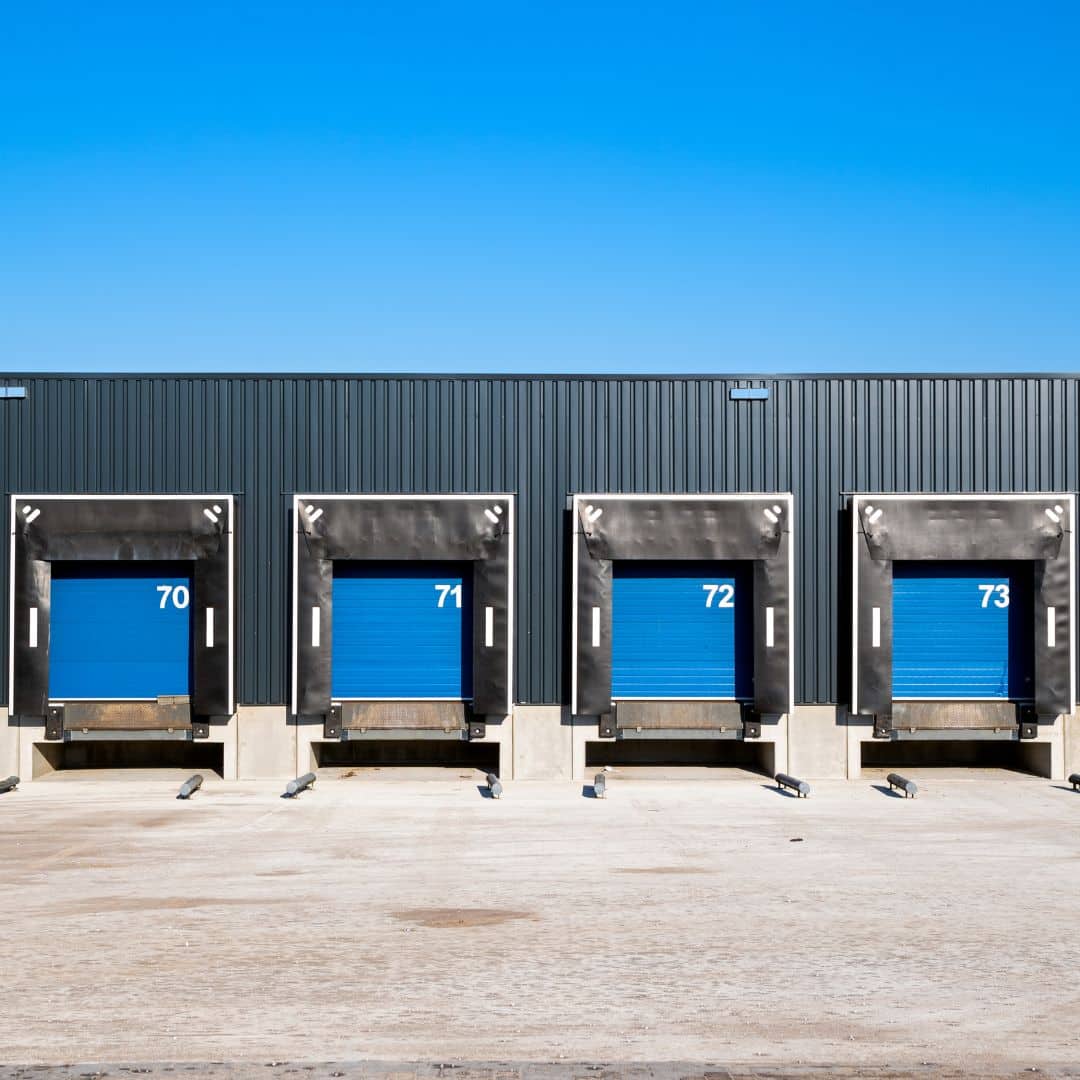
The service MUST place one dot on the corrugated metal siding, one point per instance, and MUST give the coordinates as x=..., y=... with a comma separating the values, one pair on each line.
x=542, y=437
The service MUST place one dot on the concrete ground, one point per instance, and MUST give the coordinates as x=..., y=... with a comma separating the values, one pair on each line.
x=714, y=925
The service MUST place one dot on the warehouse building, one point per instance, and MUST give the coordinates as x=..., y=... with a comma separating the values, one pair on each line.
x=537, y=574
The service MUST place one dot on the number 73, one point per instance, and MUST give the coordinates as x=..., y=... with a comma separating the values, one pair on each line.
x=1002, y=598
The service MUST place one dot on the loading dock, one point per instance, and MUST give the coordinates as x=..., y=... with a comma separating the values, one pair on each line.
x=963, y=628
x=681, y=627
x=545, y=437
x=121, y=627
x=402, y=627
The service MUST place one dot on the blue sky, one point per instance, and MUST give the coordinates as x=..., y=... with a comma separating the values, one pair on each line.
x=540, y=187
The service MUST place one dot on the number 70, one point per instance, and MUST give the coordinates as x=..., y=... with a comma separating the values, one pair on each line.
x=179, y=594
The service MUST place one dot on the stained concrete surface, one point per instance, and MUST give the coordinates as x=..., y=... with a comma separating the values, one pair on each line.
x=498, y=1070
x=690, y=922
x=502, y=1070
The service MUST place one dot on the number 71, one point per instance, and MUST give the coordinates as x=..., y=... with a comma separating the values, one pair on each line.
x=448, y=590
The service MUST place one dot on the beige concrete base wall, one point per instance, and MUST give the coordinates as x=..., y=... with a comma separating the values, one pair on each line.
x=779, y=734
x=1054, y=734
x=860, y=729
x=1071, y=744
x=227, y=734
x=265, y=743
x=9, y=744
x=543, y=743
x=582, y=730
x=817, y=743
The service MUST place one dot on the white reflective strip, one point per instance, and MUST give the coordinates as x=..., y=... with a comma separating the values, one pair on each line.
x=875, y=633
x=596, y=628
x=769, y=636
x=1051, y=628
x=33, y=628
x=209, y=627
x=315, y=613
x=489, y=627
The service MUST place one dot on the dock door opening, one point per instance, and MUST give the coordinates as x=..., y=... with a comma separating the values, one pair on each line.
x=962, y=631
x=681, y=630
x=120, y=631
x=402, y=630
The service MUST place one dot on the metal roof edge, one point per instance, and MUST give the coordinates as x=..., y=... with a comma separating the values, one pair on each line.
x=257, y=376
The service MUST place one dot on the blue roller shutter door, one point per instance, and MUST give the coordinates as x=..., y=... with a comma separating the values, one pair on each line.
x=682, y=630
x=402, y=630
x=119, y=631
x=962, y=630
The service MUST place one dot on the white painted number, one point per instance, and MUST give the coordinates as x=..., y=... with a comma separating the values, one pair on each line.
x=1002, y=598
x=449, y=590
x=726, y=594
x=179, y=594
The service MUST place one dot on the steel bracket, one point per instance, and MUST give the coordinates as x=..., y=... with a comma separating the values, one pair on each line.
x=332, y=724
x=200, y=729
x=607, y=725
x=54, y=722
x=883, y=726
x=751, y=724
x=476, y=727
x=1028, y=722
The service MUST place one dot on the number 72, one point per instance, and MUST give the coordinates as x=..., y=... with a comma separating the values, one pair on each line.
x=726, y=594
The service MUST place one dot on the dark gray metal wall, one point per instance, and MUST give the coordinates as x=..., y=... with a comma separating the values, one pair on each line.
x=542, y=437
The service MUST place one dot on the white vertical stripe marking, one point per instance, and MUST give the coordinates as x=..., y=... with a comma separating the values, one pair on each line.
x=769, y=624
x=875, y=632
x=1051, y=627
x=33, y=628
x=489, y=626
x=596, y=628
x=315, y=628
x=209, y=627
